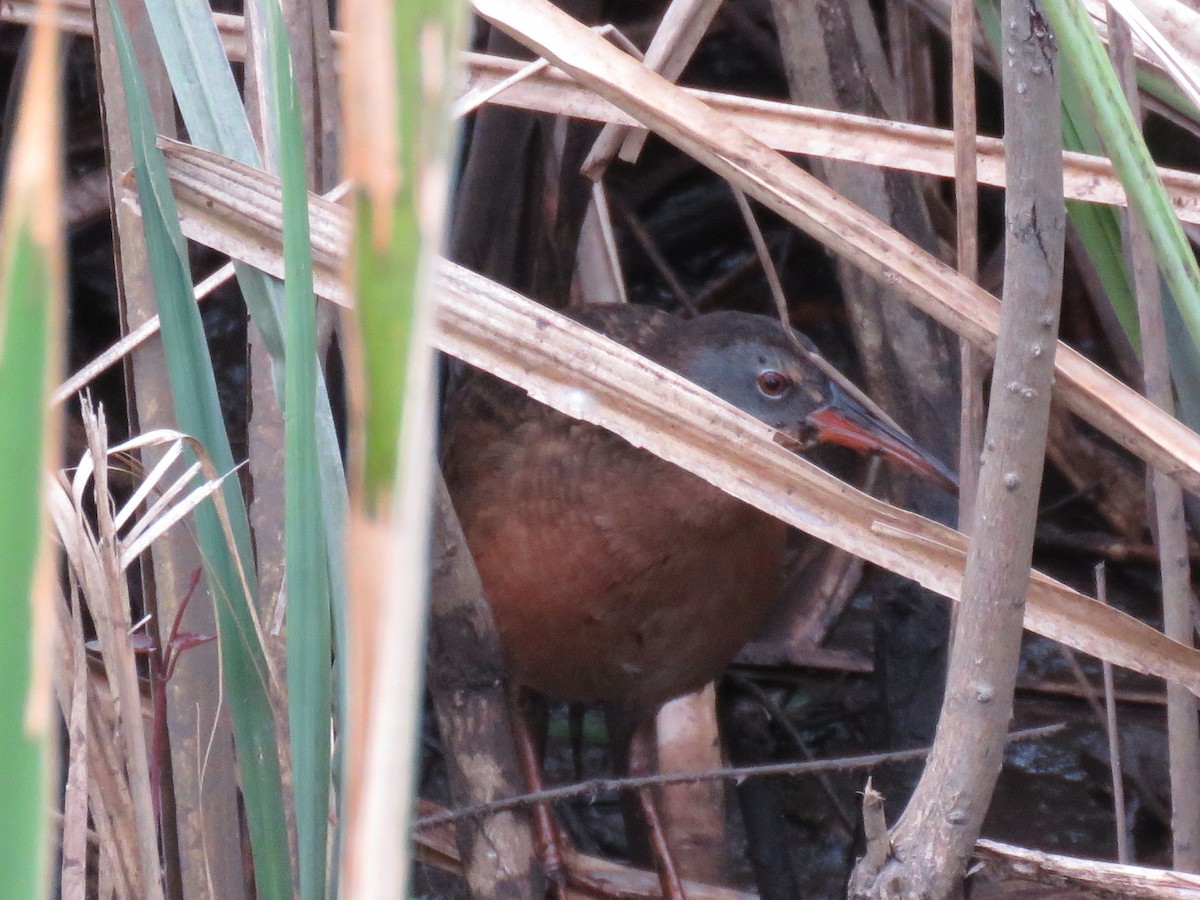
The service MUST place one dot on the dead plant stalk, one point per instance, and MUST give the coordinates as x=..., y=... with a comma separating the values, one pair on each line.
x=1170, y=533
x=933, y=840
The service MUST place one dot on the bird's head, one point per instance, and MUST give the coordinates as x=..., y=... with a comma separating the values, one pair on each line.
x=749, y=361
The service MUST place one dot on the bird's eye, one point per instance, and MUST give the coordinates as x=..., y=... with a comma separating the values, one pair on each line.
x=773, y=384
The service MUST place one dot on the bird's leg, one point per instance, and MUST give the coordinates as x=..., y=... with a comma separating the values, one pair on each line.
x=641, y=763
x=544, y=827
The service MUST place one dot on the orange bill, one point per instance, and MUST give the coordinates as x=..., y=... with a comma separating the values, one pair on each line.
x=844, y=421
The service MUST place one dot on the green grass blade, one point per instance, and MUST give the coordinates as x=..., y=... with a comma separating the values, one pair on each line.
x=395, y=93
x=1091, y=67
x=198, y=410
x=201, y=78
x=216, y=120
x=1185, y=376
x=28, y=288
x=31, y=297
x=309, y=648
x=1098, y=227
x=24, y=282
x=1122, y=139
x=1099, y=230
x=23, y=288
x=1163, y=89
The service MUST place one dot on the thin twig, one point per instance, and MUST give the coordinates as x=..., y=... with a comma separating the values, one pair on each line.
x=777, y=295
x=1086, y=688
x=875, y=830
x=150, y=327
x=473, y=99
x=608, y=237
x=768, y=265
x=1114, y=739
x=768, y=703
x=664, y=268
x=594, y=786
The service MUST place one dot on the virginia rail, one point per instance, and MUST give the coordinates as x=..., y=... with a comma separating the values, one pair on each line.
x=617, y=576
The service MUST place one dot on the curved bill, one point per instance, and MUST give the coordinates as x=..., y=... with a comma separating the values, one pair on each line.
x=843, y=421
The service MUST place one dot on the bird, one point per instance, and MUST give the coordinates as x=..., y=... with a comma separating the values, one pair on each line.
x=615, y=576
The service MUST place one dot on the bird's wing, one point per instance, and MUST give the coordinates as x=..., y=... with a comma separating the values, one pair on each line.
x=637, y=327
